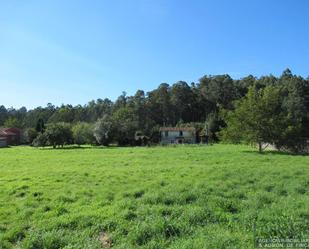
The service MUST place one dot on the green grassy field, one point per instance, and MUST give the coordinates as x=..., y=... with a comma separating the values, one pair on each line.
x=161, y=197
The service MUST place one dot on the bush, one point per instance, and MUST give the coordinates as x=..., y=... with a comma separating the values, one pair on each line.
x=59, y=134
x=30, y=134
x=83, y=133
x=40, y=140
x=125, y=125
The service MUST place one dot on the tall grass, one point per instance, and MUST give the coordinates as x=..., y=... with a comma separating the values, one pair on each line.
x=161, y=197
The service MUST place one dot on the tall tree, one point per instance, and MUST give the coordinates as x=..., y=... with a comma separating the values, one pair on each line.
x=182, y=100
x=219, y=90
x=40, y=126
x=257, y=118
x=3, y=114
x=59, y=134
x=295, y=91
x=103, y=130
x=160, y=105
x=125, y=125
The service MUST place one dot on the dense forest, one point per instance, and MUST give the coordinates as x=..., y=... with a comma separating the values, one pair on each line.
x=210, y=104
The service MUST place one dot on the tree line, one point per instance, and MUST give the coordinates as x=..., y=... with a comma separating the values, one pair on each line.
x=260, y=110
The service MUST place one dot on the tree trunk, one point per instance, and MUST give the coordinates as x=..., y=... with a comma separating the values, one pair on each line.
x=260, y=147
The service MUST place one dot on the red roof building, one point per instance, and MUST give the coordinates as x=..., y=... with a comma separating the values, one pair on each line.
x=11, y=135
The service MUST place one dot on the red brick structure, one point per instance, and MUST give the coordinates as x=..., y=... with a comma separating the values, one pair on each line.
x=12, y=135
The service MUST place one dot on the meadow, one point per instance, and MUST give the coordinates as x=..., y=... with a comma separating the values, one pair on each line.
x=220, y=196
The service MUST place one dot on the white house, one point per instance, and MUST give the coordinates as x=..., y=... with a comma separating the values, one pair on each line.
x=178, y=135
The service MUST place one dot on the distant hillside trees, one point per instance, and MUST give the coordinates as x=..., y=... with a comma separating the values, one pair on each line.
x=12, y=122
x=200, y=102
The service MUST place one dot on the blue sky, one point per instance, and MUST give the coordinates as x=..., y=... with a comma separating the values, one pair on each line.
x=74, y=51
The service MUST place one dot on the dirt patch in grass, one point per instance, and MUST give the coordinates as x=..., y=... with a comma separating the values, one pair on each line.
x=105, y=240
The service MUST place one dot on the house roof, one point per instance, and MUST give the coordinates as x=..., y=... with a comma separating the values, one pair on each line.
x=177, y=129
x=5, y=132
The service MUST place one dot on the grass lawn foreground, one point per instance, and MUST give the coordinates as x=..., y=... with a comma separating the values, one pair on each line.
x=157, y=197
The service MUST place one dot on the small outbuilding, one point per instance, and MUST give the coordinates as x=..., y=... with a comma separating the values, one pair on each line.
x=178, y=135
x=11, y=135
